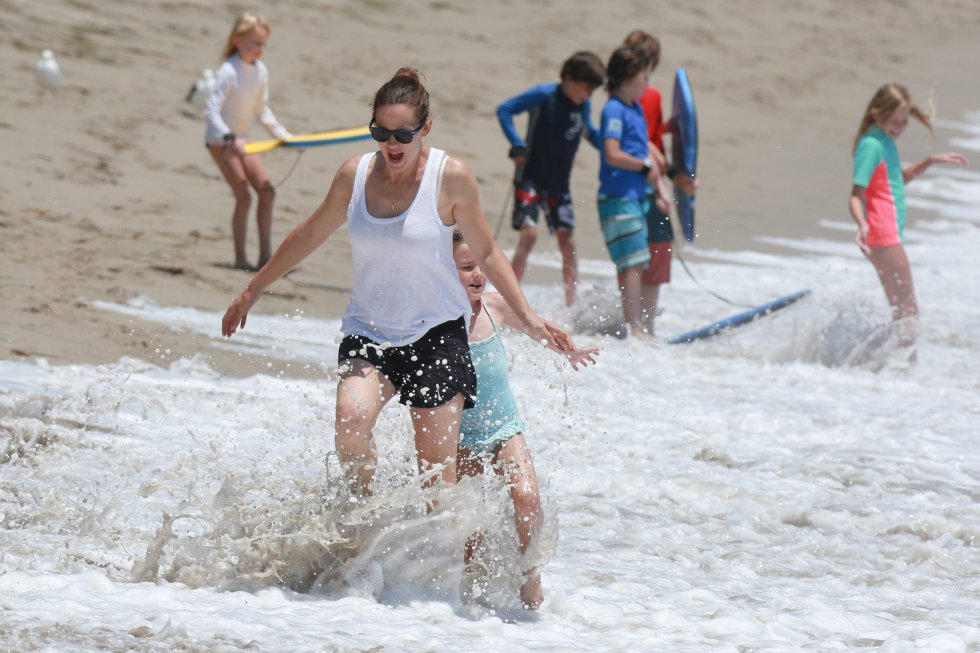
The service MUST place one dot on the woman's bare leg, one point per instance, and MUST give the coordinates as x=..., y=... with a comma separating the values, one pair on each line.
x=361, y=394
x=436, y=439
x=469, y=464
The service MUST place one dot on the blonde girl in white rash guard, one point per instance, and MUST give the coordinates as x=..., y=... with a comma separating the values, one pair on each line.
x=241, y=93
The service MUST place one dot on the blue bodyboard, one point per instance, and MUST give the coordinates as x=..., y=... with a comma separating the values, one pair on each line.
x=739, y=319
x=684, y=147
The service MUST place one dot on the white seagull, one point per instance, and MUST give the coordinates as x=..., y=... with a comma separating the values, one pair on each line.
x=201, y=88
x=48, y=73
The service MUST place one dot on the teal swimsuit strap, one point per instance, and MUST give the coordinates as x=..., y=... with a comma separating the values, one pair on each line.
x=493, y=325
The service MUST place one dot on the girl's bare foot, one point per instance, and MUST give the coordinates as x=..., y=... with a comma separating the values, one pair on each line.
x=532, y=593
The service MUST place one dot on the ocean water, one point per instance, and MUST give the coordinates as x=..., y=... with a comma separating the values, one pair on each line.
x=796, y=484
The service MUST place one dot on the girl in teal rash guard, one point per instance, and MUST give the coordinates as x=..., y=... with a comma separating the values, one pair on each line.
x=492, y=430
x=877, y=201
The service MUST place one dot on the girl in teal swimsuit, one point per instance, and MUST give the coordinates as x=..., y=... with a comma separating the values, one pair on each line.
x=492, y=430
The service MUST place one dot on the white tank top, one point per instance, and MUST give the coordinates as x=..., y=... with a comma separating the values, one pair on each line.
x=405, y=279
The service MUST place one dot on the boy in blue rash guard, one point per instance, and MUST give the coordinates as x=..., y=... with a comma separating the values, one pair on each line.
x=625, y=171
x=492, y=430
x=558, y=115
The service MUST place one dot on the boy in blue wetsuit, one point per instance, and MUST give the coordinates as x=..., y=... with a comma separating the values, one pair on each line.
x=558, y=115
x=492, y=431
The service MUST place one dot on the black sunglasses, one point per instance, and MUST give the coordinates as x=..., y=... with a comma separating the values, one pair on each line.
x=403, y=136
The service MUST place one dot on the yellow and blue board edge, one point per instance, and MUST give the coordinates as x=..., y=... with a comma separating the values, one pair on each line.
x=332, y=137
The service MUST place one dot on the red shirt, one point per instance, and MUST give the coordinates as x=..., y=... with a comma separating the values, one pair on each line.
x=654, y=115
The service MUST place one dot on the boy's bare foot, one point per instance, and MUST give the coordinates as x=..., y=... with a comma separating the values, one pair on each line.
x=640, y=333
x=532, y=593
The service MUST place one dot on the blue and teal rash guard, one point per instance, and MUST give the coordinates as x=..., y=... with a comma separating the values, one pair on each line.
x=626, y=124
x=555, y=126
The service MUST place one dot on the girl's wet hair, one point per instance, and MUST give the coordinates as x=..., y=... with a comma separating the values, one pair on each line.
x=626, y=62
x=244, y=24
x=457, y=237
x=884, y=103
x=404, y=88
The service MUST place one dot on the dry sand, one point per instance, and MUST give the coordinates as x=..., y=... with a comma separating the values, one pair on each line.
x=106, y=191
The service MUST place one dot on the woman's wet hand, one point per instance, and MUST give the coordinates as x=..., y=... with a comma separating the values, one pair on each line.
x=237, y=313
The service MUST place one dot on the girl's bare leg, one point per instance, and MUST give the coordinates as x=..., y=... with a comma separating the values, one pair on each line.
x=513, y=461
x=895, y=274
x=234, y=173
x=257, y=176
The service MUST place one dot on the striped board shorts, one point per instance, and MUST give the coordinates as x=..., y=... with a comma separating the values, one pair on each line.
x=624, y=228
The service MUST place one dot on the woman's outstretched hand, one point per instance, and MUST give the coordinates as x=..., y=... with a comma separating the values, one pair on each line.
x=550, y=335
x=237, y=313
x=557, y=339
